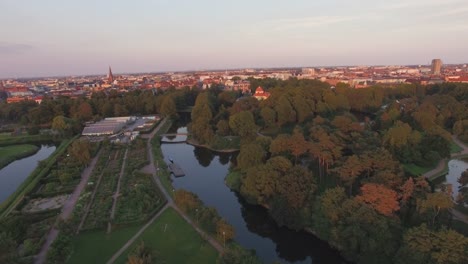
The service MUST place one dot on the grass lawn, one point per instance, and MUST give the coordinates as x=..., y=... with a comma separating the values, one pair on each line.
x=98, y=246
x=176, y=243
x=454, y=148
x=11, y=153
x=415, y=169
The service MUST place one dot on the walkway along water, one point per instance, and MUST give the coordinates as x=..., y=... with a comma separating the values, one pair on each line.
x=437, y=171
x=170, y=203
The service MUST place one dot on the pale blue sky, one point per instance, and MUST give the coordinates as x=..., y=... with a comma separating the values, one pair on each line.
x=60, y=37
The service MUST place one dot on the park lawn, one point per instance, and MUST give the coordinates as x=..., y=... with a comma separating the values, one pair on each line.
x=98, y=246
x=415, y=169
x=454, y=148
x=179, y=243
x=11, y=153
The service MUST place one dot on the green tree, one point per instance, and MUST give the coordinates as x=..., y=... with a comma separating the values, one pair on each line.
x=168, y=107
x=243, y=124
x=250, y=155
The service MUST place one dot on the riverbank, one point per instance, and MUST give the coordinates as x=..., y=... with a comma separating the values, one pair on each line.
x=194, y=143
x=8, y=154
x=442, y=167
x=30, y=183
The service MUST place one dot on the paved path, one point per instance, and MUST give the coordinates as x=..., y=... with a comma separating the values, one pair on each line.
x=441, y=166
x=442, y=163
x=117, y=193
x=67, y=209
x=170, y=203
x=136, y=236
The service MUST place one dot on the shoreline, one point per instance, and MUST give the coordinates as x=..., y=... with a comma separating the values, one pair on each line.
x=196, y=144
x=20, y=156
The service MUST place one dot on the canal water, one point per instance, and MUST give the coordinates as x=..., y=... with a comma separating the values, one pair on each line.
x=16, y=172
x=455, y=168
x=205, y=172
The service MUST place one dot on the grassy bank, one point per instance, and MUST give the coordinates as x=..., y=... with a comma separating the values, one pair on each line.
x=174, y=241
x=6, y=140
x=163, y=172
x=33, y=179
x=416, y=170
x=11, y=153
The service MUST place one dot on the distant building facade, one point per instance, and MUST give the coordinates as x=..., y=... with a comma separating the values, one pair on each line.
x=436, y=66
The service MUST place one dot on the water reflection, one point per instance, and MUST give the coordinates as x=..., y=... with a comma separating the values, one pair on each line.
x=16, y=172
x=204, y=156
x=254, y=227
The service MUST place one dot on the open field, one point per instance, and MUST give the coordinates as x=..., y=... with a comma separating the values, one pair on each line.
x=174, y=241
x=98, y=246
x=11, y=153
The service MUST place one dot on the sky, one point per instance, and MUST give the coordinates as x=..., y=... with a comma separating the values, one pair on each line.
x=57, y=37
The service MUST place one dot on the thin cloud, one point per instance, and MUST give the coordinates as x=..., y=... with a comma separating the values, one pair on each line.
x=418, y=4
x=14, y=48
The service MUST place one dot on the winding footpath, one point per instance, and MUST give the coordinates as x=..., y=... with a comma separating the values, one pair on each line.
x=440, y=168
x=442, y=163
x=170, y=203
x=67, y=209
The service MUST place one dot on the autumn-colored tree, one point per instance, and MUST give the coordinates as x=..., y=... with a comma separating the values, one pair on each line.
x=297, y=144
x=434, y=204
x=186, y=201
x=424, y=246
x=349, y=171
x=379, y=197
x=224, y=231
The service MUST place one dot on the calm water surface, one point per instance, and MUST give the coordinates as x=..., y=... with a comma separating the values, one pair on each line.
x=205, y=172
x=455, y=169
x=16, y=172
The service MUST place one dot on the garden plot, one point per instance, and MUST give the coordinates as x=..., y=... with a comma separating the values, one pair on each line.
x=41, y=204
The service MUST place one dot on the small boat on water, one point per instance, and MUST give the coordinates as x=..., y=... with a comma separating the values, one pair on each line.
x=171, y=160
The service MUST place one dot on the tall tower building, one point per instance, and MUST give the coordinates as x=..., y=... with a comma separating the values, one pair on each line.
x=110, y=77
x=436, y=66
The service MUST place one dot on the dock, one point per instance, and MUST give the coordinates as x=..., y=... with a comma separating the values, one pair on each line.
x=176, y=170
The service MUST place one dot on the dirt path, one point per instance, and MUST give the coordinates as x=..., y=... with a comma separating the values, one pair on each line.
x=91, y=201
x=170, y=203
x=117, y=193
x=67, y=209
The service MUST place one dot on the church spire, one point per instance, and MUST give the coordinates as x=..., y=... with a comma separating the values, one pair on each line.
x=110, y=77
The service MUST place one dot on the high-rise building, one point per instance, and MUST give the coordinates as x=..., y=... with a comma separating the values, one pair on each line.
x=110, y=77
x=436, y=66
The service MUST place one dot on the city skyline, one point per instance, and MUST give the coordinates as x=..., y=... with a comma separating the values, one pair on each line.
x=51, y=38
